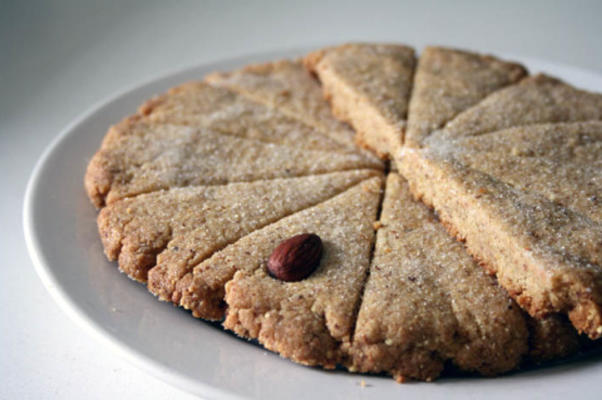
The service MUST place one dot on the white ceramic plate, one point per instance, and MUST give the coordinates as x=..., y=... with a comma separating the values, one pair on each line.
x=61, y=235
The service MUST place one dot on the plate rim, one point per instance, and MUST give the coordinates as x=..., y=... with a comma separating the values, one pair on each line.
x=59, y=293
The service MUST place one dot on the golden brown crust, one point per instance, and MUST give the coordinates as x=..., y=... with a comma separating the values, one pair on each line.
x=550, y=338
x=222, y=110
x=100, y=174
x=170, y=279
x=282, y=322
x=558, y=161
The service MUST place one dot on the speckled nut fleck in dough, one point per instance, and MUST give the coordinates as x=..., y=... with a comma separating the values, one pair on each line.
x=368, y=86
x=536, y=99
x=307, y=321
x=448, y=81
x=288, y=87
x=546, y=254
x=221, y=110
x=138, y=156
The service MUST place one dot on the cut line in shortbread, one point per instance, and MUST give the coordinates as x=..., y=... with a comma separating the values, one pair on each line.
x=548, y=256
x=287, y=86
x=536, y=99
x=140, y=157
x=173, y=228
x=368, y=86
x=448, y=81
x=426, y=302
x=199, y=104
x=308, y=321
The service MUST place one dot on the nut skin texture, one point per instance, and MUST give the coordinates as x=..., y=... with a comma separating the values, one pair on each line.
x=296, y=258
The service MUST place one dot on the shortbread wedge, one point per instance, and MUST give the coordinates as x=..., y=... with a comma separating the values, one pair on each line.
x=175, y=228
x=139, y=157
x=199, y=104
x=427, y=302
x=448, y=81
x=368, y=86
x=562, y=162
x=546, y=254
x=307, y=320
x=288, y=87
x=536, y=99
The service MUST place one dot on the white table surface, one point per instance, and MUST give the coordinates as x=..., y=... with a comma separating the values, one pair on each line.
x=58, y=58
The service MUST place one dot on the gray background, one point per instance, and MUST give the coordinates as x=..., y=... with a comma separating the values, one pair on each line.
x=58, y=58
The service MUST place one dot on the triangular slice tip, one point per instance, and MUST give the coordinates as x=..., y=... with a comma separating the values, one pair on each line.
x=368, y=86
x=534, y=100
x=448, y=81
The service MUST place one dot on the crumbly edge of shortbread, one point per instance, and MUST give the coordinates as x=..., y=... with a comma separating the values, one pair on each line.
x=538, y=289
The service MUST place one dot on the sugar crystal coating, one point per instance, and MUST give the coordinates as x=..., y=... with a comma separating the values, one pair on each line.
x=536, y=99
x=368, y=86
x=307, y=321
x=205, y=180
x=546, y=254
x=139, y=157
x=177, y=227
x=221, y=110
x=448, y=81
x=286, y=86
